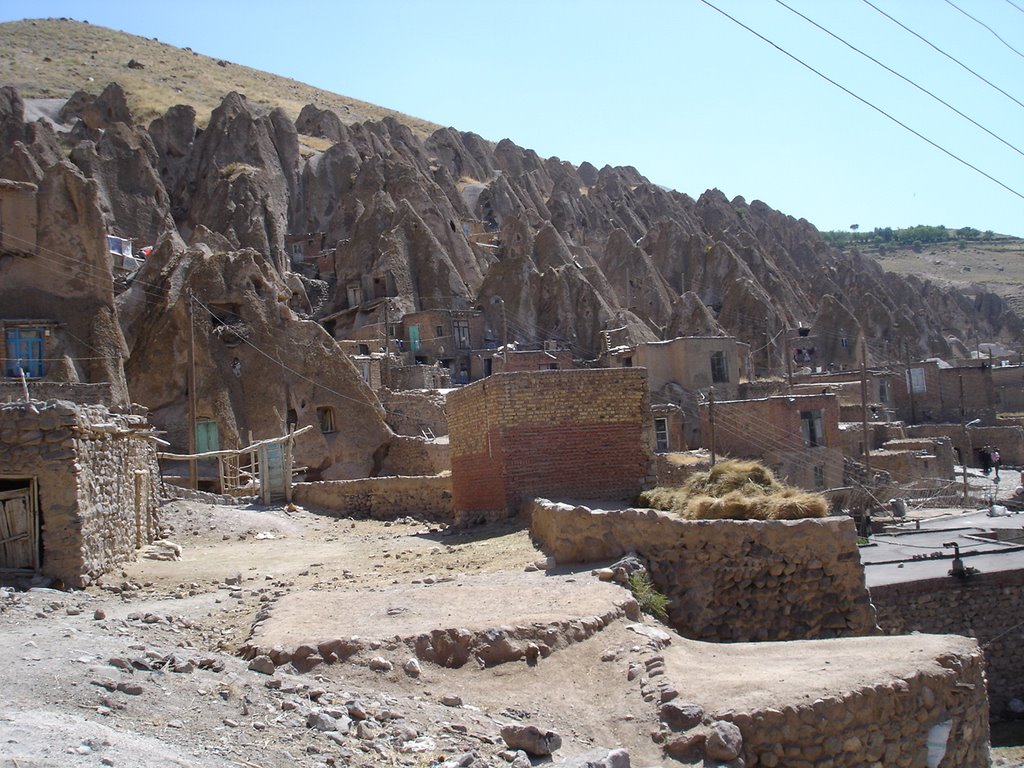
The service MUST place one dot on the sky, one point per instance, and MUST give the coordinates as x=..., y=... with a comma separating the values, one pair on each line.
x=672, y=87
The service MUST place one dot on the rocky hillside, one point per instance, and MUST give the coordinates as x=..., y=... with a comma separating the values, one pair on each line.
x=452, y=220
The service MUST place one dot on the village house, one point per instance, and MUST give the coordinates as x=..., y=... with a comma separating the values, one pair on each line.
x=304, y=250
x=680, y=372
x=550, y=357
x=565, y=434
x=796, y=435
x=446, y=337
x=78, y=489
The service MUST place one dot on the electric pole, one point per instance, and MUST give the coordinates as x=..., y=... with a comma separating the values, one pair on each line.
x=193, y=470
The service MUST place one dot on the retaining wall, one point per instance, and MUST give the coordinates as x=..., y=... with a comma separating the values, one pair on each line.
x=987, y=606
x=727, y=580
x=381, y=498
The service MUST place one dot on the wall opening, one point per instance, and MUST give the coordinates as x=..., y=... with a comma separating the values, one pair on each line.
x=20, y=525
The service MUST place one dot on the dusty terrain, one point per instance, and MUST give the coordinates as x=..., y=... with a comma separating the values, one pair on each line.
x=144, y=670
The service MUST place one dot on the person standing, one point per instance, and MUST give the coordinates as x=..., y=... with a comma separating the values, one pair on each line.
x=997, y=460
x=985, y=459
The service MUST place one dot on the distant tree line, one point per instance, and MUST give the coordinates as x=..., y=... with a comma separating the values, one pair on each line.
x=922, y=234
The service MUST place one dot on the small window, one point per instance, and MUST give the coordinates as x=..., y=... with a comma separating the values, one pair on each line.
x=364, y=349
x=325, y=416
x=661, y=435
x=552, y=366
x=811, y=429
x=627, y=362
x=461, y=328
x=719, y=368
x=883, y=390
x=819, y=475
x=25, y=348
x=438, y=331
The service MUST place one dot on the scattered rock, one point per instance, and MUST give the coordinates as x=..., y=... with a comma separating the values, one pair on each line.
x=134, y=64
x=530, y=739
x=412, y=668
x=263, y=664
x=598, y=758
x=450, y=700
x=681, y=717
x=380, y=664
x=724, y=741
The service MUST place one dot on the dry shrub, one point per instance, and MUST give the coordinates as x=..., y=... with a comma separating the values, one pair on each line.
x=794, y=504
x=733, y=475
x=736, y=490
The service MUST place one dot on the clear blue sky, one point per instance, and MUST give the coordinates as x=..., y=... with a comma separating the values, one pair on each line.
x=673, y=88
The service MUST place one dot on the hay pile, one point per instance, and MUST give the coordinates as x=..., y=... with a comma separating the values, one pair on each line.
x=736, y=490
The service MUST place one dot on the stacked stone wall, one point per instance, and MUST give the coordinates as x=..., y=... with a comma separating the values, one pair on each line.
x=380, y=498
x=986, y=606
x=96, y=478
x=886, y=723
x=578, y=434
x=727, y=580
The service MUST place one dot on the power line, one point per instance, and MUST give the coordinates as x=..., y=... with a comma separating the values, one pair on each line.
x=986, y=26
x=1015, y=5
x=952, y=58
x=902, y=77
x=864, y=101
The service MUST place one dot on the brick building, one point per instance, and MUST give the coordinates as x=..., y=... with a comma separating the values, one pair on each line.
x=445, y=337
x=551, y=358
x=797, y=436
x=577, y=434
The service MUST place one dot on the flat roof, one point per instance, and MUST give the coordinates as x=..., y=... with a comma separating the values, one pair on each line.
x=988, y=543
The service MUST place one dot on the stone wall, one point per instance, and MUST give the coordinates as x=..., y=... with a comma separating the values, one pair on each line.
x=881, y=724
x=577, y=434
x=97, y=483
x=1008, y=439
x=728, y=580
x=672, y=475
x=410, y=412
x=987, y=606
x=416, y=456
x=381, y=498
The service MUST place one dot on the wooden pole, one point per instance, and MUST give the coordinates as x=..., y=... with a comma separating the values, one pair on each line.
x=504, y=336
x=789, y=361
x=193, y=469
x=910, y=383
x=387, y=346
x=711, y=423
x=967, y=440
x=864, y=407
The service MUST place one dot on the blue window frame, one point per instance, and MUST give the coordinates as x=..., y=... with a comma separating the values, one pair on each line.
x=25, y=348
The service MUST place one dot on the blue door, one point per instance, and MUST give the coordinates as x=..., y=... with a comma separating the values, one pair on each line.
x=25, y=352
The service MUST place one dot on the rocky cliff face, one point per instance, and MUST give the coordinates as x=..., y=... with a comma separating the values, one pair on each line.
x=456, y=221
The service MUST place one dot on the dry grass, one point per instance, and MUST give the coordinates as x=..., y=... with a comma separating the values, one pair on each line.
x=736, y=490
x=53, y=58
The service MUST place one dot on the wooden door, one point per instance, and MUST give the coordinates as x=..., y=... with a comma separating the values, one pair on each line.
x=19, y=530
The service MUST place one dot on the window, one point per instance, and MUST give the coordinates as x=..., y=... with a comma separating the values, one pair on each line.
x=819, y=475
x=355, y=294
x=883, y=390
x=461, y=328
x=661, y=435
x=627, y=362
x=915, y=380
x=439, y=331
x=364, y=370
x=364, y=349
x=25, y=348
x=811, y=429
x=325, y=416
x=719, y=368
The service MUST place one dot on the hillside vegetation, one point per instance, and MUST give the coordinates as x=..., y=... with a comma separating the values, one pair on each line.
x=967, y=259
x=53, y=58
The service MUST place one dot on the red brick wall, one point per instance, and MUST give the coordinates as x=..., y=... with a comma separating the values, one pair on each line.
x=579, y=434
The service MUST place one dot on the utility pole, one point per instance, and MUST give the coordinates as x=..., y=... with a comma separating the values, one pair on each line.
x=967, y=439
x=864, y=407
x=711, y=423
x=789, y=361
x=193, y=473
x=504, y=335
x=387, y=346
x=767, y=349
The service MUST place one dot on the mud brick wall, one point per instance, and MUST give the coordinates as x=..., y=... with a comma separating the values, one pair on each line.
x=380, y=498
x=577, y=434
x=416, y=456
x=97, y=482
x=727, y=580
x=410, y=412
x=987, y=607
x=881, y=724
